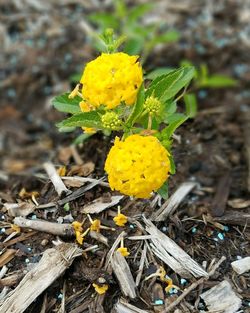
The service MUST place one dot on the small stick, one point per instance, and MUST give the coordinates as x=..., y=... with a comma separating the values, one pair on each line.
x=85, y=180
x=193, y=286
x=44, y=226
x=55, y=179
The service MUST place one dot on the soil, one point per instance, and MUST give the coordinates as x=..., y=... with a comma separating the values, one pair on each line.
x=209, y=150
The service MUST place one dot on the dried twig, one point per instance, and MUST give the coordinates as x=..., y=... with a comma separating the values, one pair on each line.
x=123, y=307
x=44, y=226
x=52, y=265
x=55, y=179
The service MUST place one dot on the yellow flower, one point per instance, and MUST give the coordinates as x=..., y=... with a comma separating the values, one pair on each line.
x=124, y=251
x=89, y=130
x=120, y=219
x=95, y=225
x=100, y=289
x=111, y=79
x=79, y=232
x=137, y=166
x=61, y=171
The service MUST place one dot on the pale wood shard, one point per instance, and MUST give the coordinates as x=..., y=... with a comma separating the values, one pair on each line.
x=123, y=275
x=171, y=254
x=221, y=298
x=124, y=307
x=241, y=266
x=20, y=209
x=55, y=179
x=44, y=226
x=7, y=256
x=82, y=180
x=51, y=266
x=98, y=205
x=173, y=202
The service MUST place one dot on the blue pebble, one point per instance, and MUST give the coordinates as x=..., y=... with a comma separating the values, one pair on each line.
x=2, y=230
x=34, y=217
x=220, y=236
x=131, y=226
x=183, y=281
x=226, y=228
x=202, y=94
x=11, y=93
x=60, y=296
x=194, y=230
x=159, y=302
x=27, y=260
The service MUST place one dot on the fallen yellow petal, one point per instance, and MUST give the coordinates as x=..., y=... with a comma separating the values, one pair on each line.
x=100, y=289
x=124, y=251
x=120, y=219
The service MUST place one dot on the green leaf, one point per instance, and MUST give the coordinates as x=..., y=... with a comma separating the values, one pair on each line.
x=218, y=81
x=174, y=120
x=138, y=11
x=158, y=72
x=170, y=36
x=104, y=20
x=163, y=191
x=167, y=86
x=137, y=108
x=82, y=138
x=134, y=46
x=63, y=104
x=190, y=104
x=84, y=119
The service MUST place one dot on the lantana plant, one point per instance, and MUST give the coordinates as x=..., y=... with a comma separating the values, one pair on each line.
x=113, y=96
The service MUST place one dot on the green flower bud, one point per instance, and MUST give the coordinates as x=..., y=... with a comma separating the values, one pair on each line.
x=152, y=105
x=110, y=120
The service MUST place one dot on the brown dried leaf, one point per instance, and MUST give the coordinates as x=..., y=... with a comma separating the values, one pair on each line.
x=7, y=256
x=82, y=170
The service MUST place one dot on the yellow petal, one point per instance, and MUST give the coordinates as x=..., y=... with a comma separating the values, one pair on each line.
x=100, y=289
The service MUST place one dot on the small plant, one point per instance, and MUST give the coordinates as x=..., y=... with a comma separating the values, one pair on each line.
x=141, y=39
x=112, y=95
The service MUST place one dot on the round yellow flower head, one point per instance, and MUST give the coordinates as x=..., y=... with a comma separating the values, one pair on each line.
x=111, y=79
x=137, y=166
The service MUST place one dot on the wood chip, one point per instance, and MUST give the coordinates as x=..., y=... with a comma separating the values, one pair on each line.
x=123, y=275
x=171, y=254
x=98, y=205
x=123, y=307
x=221, y=196
x=221, y=298
x=20, y=209
x=52, y=265
x=173, y=202
x=7, y=256
x=241, y=266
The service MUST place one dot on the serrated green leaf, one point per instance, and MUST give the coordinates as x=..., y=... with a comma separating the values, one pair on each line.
x=137, y=108
x=190, y=104
x=218, y=81
x=167, y=86
x=158, y=72
x=174, y=120
x=63, y=104
x=84, y=119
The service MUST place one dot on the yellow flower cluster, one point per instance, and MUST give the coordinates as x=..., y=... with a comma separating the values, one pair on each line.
x=111, y=79
x=137, y=166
